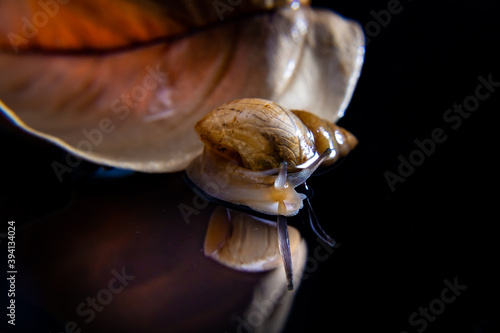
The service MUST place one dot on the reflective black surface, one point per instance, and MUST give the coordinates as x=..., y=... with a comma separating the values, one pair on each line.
x=413, y=207
x=398, y=245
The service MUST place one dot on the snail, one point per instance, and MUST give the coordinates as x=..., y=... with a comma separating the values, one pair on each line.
x=257, y=152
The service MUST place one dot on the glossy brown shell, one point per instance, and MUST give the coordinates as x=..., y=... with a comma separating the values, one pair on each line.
x=259, y=135
x=256, y=133
x=328, y=135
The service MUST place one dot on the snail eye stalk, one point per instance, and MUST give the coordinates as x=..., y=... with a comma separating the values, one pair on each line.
x=282, y=226
x=280, y=182
x=299, y=177
x=316, y=226
x=284, y=246
x=294, y=179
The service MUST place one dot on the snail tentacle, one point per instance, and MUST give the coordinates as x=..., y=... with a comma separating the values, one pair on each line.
x=316, y=226
x=297, y=178
x=280, y=182
x=282, y=226
x=284, y=244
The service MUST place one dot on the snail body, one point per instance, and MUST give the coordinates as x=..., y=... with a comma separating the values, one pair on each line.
x=248, y=142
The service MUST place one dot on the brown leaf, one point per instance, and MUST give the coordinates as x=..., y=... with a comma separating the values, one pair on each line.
x=136, y=108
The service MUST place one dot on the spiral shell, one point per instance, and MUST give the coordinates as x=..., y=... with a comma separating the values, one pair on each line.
x=244, y=242
x=247, y=140
x=257, y=134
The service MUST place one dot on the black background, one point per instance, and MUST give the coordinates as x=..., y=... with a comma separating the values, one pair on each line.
x=396, y=246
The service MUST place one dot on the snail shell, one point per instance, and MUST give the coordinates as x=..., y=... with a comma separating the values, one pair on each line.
x=246, y=143
x=244, y=242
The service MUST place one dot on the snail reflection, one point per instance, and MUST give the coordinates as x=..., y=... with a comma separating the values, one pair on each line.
x=261, y=152
x=245, y=242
